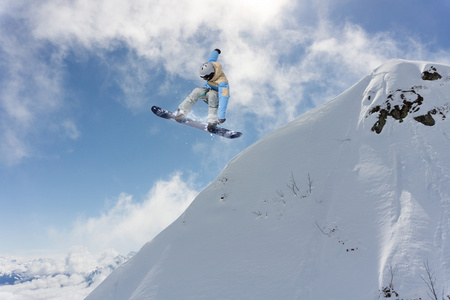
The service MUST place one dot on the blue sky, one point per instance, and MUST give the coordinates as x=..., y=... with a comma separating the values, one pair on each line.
x=83, y=161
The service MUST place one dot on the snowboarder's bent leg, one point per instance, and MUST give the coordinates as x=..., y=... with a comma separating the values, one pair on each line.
x=186, y=106
x=213, y=105
x=224, y=95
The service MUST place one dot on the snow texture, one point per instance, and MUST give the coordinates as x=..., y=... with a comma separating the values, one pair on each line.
x=348, y=201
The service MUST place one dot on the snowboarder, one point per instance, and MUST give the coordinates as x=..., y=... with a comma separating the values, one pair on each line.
x=215, y=92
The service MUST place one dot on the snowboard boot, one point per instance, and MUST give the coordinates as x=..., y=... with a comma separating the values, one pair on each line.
x=179, y=116
x=212, y=126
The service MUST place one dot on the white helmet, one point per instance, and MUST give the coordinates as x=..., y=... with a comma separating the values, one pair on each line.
x=207, y=71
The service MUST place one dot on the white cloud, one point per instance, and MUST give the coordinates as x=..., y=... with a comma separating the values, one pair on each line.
x=70, y=129
x=12, y=148
x=68, y=277
x=128, y=225
x=177, y=35
x=281, y=57
x=30, y=87
x=170, y=37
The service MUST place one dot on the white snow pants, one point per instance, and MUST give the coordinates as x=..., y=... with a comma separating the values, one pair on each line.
x=211, y=97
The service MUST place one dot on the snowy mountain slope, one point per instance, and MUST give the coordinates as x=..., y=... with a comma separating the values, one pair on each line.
x=348, y=201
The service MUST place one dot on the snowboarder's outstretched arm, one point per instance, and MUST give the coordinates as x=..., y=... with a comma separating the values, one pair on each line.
x=214, y=55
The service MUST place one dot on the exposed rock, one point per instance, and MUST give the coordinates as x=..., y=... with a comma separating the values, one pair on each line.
x=398, y=112
x=425, y=119
x=431, y=74
x=428, y=119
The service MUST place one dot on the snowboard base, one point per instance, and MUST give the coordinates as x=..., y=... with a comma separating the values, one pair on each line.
x=220, y=131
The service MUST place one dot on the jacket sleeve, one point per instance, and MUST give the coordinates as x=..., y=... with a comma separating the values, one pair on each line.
x=214, y=56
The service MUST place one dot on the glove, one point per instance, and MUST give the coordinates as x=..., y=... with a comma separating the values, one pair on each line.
x=218, y=51
x=222, y=121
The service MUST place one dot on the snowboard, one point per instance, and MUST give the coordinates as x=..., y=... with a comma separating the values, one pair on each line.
x=220, y=131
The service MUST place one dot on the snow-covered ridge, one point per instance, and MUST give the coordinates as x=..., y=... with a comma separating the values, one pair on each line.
x=348, y=201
